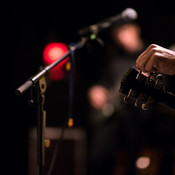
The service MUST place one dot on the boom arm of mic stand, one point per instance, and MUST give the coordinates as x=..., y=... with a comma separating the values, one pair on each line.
x=20, y=90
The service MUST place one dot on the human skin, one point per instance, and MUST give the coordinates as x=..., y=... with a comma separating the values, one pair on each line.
x=157, y=59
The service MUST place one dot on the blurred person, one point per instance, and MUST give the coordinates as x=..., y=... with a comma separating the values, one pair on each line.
x=121, y=53
x=115, y=126
x=120, y=130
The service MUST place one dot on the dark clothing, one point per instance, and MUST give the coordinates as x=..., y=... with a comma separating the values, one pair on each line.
x=128, y=129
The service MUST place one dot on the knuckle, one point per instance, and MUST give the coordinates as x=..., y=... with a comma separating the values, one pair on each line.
x=153, y=45
x=153, y=50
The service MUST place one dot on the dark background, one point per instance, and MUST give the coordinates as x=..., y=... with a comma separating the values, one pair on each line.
x=26, y=28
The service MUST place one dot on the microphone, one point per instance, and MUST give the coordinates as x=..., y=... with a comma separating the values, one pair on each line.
x=125, y=16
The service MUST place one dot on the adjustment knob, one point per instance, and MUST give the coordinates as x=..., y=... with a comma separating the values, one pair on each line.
x=145, y=106
x=126, y=99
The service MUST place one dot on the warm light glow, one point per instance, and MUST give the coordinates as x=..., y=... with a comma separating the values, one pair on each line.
x=52, y=52
x=70, y=122
x=142, y=162
x=55, y=53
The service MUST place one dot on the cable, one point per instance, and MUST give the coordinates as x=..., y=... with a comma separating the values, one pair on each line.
x=69, y=119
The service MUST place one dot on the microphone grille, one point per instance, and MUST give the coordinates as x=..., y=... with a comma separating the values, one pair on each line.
x=129, y=13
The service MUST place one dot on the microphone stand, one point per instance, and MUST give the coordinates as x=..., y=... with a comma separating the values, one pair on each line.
x=39, y=83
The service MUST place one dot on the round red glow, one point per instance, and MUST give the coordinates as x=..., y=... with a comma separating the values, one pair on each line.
x=53, y=52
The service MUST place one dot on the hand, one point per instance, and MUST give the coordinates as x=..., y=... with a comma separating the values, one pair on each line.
x=157, y=59
x=98, y=96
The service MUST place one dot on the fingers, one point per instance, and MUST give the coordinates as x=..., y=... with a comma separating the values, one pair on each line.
x=152, y=64
x=157, y=59
x=145, y=60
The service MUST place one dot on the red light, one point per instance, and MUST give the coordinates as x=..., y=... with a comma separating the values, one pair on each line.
x=52, y=52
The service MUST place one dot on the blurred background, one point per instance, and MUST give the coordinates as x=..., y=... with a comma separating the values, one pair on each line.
x=108, y=138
